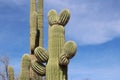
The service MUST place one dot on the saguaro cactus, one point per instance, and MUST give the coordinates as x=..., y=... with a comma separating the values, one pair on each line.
x=25, y=68
x=59, y=51
x=10, y=73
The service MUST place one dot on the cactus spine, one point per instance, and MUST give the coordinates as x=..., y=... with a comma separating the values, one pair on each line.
x=10, y=73
x=59, y=51
x=25, y=68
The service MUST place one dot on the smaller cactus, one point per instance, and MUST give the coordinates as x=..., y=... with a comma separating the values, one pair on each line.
x=10, y=73
x=25, y=68
x=68, y=52
x=39, y=68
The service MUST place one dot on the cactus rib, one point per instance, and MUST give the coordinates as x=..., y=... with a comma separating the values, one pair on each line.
x=38, y=68
x=41, y=54
x=64, y=17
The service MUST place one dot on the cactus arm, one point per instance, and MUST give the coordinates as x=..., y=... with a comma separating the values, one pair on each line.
x=68, y=52
x=39, y=68
x=63, y=60
x=25, y=68
x=52, y=17
x=41, y=54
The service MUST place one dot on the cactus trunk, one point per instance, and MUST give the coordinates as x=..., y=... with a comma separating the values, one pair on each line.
x=55, y=44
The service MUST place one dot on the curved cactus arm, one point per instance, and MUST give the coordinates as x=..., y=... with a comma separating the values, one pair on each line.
x=69, y=51
x=52, y=17
x=63, y=60
x=41, y=54
x=64, y=17
x=39, y=68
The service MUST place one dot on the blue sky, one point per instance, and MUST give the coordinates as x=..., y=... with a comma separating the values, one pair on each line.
x=94, y=26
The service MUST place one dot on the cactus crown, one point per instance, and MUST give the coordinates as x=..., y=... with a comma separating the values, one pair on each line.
x=62, y=19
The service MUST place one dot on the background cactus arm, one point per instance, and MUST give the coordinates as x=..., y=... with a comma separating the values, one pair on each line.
x=33, y=32
x=68, y=52
x=39, y=68
x=41, y=54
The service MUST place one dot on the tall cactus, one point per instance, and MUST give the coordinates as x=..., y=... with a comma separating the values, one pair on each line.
x=40, y=22
x=25, y=68
x=10, y=73
x=36, y=31
x=59, y=51
x=36, y=25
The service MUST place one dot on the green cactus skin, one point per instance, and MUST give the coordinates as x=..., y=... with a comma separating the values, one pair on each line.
x=39, y=68
x=10, y=73
x=25, y=68
x=41, y=54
